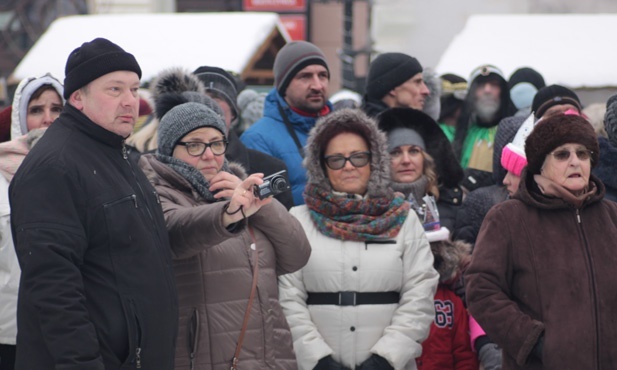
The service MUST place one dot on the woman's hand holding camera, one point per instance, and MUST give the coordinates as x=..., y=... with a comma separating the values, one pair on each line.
x=243, y=202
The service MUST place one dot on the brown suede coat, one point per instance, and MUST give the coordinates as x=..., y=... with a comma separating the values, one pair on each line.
x=213, y=268
x=542, y=266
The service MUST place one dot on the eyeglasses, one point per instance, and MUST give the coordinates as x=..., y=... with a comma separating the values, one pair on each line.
x=337, y=161
x=563, y=155
x=197, y=149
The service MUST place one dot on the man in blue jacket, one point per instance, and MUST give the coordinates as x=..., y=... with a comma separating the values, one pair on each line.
x=300, y=97
x=97, y=287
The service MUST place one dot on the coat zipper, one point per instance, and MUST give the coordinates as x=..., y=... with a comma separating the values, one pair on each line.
x=593, y=286
x=125, y=156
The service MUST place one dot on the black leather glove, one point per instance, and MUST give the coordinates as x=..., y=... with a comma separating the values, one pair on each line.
x=328, y=363
x=490, y=356
x=375, y=362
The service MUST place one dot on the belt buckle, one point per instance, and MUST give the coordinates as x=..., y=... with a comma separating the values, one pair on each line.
x=347, y=298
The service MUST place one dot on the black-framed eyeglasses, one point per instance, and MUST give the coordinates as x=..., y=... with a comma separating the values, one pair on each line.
x=563, y=155
x=197, y=149
x=337, y=161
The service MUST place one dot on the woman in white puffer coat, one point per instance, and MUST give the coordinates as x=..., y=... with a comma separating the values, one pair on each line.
x=365, y=299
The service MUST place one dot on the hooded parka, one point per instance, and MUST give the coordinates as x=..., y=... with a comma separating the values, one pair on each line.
x=403, y=264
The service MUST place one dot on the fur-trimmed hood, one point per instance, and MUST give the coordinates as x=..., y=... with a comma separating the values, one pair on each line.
x=451, y=258
x=448, y=168
x=348, y=120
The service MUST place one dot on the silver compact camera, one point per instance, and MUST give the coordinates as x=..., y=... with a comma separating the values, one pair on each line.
x=272, y=185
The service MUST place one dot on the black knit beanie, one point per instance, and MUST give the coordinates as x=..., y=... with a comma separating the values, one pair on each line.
x=388, y=71
x=554, y=131
x=94, y=59
x=292, y=58
x=610, y=119
x=218, y=80
x=552, y=95
x=526, y=74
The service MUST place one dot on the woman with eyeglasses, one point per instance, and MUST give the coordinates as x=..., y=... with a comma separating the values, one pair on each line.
x=228, y=245
x=541, y=282
x=364, y=301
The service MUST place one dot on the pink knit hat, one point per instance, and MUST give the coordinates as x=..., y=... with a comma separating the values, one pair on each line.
x=513, y=156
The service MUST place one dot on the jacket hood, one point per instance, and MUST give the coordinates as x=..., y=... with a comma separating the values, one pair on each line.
x=437, y=145
x=467, y=117
x=605, y=168
x=23, y=93
x=450, y=258
x=348, y=120
x=432, y=104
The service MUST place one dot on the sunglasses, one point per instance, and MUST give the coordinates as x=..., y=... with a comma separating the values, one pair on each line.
x=197, y=149
x=337, y=161
x=563, y=155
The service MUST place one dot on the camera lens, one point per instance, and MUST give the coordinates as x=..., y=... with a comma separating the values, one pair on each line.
x=279, y=184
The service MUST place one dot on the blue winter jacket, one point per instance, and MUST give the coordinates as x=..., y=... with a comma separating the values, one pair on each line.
x=269, y=135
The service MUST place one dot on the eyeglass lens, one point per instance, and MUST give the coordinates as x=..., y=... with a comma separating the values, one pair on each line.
x=564, y=155
x=336, y=162
x=197, y=148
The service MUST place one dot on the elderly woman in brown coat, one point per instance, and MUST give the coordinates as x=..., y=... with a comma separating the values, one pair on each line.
x=216, y=226
x=542, y=278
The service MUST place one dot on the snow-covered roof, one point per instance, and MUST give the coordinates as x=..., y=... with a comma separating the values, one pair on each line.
x=228, y=40
x=573, y=50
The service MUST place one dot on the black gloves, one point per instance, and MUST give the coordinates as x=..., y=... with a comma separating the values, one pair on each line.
x=375, y=362
x=328, y=363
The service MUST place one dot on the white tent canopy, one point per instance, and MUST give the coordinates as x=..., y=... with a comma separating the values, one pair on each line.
x=573, y=50
x=158, y=41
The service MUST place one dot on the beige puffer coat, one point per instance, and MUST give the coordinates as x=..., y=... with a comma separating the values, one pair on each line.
x=213, y=268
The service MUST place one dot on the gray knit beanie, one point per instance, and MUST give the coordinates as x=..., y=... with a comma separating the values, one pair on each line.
x=610, y=119
x=181, y=120
x=400, y=136
x=219, y=81
x=292, y=58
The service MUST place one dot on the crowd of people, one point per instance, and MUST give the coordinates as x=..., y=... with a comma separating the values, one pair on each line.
x=433, y=222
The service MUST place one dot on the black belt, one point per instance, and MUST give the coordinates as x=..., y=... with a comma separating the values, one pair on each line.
x=353, y=298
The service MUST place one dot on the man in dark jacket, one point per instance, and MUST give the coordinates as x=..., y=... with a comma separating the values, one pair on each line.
x=394, y=80
x=220, y=86
x=97, y=289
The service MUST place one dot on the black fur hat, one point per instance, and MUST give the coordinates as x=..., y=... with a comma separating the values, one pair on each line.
x=437, y=145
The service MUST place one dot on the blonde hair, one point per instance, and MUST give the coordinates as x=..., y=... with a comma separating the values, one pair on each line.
x=146, y=139
x=431, y=175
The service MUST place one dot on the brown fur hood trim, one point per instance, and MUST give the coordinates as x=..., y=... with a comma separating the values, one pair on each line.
x=451, y=258
x=355, y=121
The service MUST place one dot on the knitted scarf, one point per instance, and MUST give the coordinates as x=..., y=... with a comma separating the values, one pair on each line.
x=350, y=218
x=417, y=189
x=192, y=175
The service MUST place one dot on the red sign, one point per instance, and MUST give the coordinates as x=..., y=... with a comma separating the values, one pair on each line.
x=295, y=25
x=275, y=5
